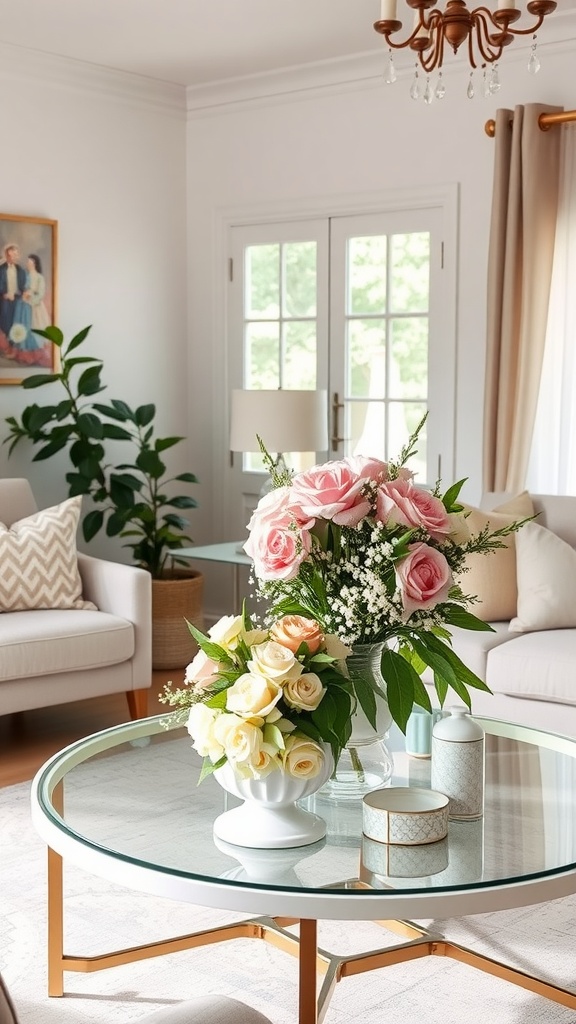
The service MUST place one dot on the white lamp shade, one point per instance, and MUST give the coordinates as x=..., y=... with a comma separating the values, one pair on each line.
x=287, y=421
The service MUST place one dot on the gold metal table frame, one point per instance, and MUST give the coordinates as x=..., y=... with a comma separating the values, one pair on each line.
x=314, y=962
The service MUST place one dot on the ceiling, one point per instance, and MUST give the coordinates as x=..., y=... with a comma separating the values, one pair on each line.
x=193, y=42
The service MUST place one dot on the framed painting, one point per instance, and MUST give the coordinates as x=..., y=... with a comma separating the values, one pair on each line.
x=28, y=271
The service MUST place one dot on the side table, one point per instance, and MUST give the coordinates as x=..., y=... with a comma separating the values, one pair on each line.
x=228, y=553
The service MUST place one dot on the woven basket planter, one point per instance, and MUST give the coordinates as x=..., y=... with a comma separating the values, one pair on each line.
x=177, y=596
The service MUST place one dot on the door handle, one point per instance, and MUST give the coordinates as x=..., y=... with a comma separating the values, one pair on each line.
x=336, y=405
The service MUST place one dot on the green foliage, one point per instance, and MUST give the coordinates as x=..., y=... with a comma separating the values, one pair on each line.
x=134, y=496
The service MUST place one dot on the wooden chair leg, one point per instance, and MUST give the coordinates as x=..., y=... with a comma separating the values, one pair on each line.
x=137, y=703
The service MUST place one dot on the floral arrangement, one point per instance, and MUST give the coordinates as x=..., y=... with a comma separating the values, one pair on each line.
x=358, y=547
x=265, y=699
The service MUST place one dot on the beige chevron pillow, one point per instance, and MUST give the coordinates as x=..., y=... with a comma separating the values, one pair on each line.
x=38, y=560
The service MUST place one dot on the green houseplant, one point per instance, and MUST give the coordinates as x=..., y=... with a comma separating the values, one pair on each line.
x=132, y=499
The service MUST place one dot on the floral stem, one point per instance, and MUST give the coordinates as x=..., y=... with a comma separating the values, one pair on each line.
x=356, y=763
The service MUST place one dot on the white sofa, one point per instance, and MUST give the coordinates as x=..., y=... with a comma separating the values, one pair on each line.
x=532, y=674
x=50, y=656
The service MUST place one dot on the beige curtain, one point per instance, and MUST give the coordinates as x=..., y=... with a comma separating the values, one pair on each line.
x=522, y=230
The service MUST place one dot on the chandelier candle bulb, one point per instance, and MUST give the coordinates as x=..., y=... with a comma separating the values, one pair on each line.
x=506, y=5
x=458, y=763
x=388, y=10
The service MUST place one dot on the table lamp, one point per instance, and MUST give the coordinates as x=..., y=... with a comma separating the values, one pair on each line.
x=286, y=420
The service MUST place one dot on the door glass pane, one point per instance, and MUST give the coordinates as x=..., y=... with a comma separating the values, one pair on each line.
x=262, y=270
x=410, y=277
x=367, y=274
x=367, y=358
x=299, y=355
x=299, y=279
x=261, y=351
x=366, y=429
x=409, y=358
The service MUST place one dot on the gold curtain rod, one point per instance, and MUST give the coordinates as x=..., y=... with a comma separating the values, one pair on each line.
x=545, y=121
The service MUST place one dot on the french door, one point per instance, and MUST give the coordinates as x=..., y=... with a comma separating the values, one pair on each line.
x=360, y=306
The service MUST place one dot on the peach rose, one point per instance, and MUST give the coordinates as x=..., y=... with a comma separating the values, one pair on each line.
x=292, y=630
x=424, y=577
x=399, y=501
x=332, y=491
x=277, y=544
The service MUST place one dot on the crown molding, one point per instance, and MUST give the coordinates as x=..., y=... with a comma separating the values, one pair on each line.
x=360, y=71
x=23, y=64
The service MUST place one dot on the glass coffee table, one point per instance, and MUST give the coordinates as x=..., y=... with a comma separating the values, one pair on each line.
x=124, y=804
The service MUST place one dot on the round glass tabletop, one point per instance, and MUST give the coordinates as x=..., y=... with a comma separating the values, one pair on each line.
x=133, y=811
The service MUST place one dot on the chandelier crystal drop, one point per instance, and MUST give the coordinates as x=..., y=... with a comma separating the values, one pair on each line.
x=482, y=32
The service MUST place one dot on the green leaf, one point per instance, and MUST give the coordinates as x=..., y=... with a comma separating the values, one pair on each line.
x=400, y=679
x=144, y=415
x=365, y=696
x=149, y=462
x=272, y=734
x=92, y=523
x=112, y=412
x=50, y=449
x=115, y=433
x=39, y=379
x=39, y=416
x=76, y=340
x=455, y=615
x=208, y=768
x=452, y=493
x=182, y=502
x=162, y=443
x=187, y=478
x=124, y=409
x=90, y=425
x=212, y=650
x=89, y=381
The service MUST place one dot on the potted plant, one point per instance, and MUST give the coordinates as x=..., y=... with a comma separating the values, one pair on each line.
x=132, y=499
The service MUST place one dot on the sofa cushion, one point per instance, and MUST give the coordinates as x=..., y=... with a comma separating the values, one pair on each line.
x=492, y=577
x=7, y=1011
x=546, y=573
x=38, y=560
x=48, y=642
x=537, y=666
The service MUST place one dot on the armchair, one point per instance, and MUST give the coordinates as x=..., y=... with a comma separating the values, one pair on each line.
x=53, y=656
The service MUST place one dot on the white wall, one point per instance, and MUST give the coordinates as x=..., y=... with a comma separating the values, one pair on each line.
x=355, y=138
x=104, y=155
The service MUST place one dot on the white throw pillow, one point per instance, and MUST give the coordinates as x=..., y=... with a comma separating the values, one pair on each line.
x=546, y=575
x=39, y=562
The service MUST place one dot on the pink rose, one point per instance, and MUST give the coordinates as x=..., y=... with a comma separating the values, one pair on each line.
x=367, y=467
x=400, y=502
x=201, y=672
x=277, y=543
x=332, y=491
x=424, y=577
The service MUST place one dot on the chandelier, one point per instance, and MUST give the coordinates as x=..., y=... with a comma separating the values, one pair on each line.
x=484, y=32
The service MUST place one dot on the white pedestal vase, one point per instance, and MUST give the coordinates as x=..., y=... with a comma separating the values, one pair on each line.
x=365, y=763
x=270, y=817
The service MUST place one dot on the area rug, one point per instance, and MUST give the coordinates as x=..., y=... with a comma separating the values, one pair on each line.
x=100, y=917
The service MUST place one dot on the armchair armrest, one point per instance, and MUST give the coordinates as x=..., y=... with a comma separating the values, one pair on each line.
x=125, y=591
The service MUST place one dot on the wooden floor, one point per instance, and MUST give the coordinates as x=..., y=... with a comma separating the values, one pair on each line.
x=29, y=738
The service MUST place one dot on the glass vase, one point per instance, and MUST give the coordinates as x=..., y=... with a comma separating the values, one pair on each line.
x=365, y=763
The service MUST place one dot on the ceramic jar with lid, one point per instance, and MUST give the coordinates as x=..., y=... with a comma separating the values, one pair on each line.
x=458, y=763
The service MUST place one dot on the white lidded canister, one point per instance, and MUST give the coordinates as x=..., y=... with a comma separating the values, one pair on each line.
x=457, y=768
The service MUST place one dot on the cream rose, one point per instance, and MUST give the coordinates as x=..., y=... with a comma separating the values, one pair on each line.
x=302, y=758
x=202, y=728
x=304, y=693
x=242, y=741
x=292, y=630
x=226, y=631
x=274, y=661
x=253, y=696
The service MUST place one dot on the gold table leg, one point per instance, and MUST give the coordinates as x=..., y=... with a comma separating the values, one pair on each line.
x=312, y=960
